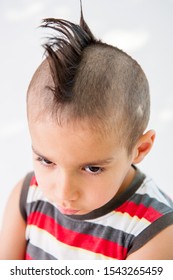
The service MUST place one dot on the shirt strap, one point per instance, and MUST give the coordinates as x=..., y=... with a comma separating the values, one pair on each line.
x=24, y=193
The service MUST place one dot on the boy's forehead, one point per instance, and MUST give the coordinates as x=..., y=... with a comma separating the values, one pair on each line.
x=50, y=139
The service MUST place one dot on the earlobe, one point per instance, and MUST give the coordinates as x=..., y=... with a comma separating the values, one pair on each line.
x=144, y=146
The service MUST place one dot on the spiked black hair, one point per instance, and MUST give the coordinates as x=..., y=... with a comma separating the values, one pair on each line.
x=64, y=53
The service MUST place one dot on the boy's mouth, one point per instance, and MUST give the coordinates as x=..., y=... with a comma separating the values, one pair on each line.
x=67, y=211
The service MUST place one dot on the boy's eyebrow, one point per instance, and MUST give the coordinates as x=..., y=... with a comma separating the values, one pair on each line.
x=99, y=162
x=37, y=153
x=95, y=162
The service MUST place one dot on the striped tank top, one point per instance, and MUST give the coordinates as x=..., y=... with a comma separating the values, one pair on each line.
x=113, y=231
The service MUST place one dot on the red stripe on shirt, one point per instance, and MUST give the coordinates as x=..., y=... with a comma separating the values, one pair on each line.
x=141, y=211
x=33, y=182
x=28, y=257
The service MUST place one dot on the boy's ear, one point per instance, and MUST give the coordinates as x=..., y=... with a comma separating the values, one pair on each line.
x=144, y=146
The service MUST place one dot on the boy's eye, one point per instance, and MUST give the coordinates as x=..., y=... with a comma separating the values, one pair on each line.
x=45, y=162
x=93, y=169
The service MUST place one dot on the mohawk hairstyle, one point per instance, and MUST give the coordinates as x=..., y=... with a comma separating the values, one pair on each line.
x=64, y=52
x=83, y=78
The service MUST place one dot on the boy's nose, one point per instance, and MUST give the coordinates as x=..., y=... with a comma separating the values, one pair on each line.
x=66, y=189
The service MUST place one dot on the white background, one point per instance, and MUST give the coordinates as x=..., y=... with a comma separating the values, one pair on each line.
x=143, y=28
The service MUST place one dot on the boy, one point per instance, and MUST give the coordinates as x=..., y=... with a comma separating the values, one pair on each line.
x=88, y=108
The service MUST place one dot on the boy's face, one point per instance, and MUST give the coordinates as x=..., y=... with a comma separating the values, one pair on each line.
x=77, y=169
